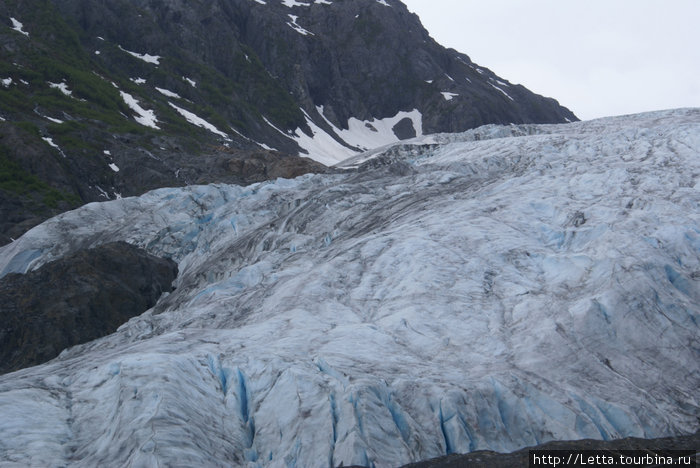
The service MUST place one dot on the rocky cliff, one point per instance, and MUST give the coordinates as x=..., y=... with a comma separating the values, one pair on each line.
x=75, y=300
x=101, y=99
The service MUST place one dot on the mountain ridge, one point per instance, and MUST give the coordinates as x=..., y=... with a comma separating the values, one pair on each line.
x=86, y=83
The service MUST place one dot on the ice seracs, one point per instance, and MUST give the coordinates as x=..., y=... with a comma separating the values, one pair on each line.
x=491, y=290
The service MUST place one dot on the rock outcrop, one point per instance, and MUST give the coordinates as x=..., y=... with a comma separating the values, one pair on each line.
x=76, y=299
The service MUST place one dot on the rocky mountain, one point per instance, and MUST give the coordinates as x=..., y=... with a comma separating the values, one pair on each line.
x=76, y=299
x=107, y=98
x=488, y=290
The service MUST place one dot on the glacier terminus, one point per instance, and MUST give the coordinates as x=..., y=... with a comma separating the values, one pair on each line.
x=491, y=289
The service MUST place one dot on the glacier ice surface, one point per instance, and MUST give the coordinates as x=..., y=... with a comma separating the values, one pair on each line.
x=488, y=290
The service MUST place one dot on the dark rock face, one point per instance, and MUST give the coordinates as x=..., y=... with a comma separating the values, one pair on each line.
x=520, y=459
x=76, y=299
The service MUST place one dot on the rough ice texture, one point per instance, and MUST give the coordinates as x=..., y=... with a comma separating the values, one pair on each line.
x=489, y=290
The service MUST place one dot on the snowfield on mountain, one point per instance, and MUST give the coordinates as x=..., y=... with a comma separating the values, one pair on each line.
x=491, y=289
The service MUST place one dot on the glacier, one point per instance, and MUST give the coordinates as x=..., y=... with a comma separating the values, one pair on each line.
x=493, y=289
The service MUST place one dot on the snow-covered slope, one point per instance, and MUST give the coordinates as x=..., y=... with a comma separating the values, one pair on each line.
x=489, y=290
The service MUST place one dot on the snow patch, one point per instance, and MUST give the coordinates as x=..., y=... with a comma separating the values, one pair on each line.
x=499, y=89
x=6, y=82
x=374, y=133
x=62, y=87
x=152, y=59
x=51, y=143
x=293, y=3
x=321, y=146
x=448, y=96
x=168, y=93
x=102, y=192
x=19, y=27
x=267, y=147
x=298, y=28
x=190, y=82
x=114, y=167
x=196, y=120
x=144, y=117
x=138, y=81
x=360, y=136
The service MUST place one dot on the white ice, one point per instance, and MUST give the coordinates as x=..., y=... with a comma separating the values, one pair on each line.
x=449, y=96
x=487, y=290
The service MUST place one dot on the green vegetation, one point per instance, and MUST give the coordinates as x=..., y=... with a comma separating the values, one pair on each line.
x=16, y=180
x=28, y=127
x=54, y=54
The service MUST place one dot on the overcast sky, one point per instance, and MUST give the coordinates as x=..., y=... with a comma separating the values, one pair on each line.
x=596, y=57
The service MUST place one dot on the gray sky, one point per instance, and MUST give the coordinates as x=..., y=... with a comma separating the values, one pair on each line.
x=596, y=57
